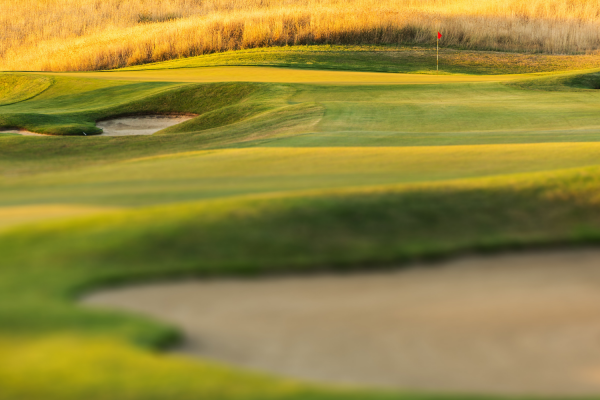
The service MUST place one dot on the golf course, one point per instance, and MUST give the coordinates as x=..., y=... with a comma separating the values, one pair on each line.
x=264, y=170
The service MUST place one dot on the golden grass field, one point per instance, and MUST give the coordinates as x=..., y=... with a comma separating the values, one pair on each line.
x=102, y=34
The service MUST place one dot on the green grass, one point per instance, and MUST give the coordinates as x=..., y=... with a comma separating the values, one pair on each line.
x=385, y=59
x=17, y=88
x=234, y=172
x=72, y=106
x=290, y=115
x=268, y=178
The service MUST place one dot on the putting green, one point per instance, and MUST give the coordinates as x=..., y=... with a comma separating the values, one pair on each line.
x=285, y=75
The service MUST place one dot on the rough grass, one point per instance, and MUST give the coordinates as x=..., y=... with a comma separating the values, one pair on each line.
x=575, y=81
x=109, y=369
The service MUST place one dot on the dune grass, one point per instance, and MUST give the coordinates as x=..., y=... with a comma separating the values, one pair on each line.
x=117, y=33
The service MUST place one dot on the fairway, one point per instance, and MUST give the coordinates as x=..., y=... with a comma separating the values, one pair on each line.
x=224, y=166
x=210, y=174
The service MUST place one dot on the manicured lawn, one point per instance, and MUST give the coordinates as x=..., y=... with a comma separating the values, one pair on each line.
x=209, y=174
x=386, y=59
x=272, y=176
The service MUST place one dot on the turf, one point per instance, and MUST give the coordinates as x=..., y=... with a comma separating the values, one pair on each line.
x=289, y=115
x=17, y=88
x=234, y=172
x=272, y=176
x=385, y=59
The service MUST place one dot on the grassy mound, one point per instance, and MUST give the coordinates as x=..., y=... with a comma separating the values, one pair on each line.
x=346, y=227
x=17, y=88
x=66, y=110
x=573, y=81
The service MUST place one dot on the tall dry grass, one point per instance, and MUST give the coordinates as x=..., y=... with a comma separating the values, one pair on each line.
x=100, y=34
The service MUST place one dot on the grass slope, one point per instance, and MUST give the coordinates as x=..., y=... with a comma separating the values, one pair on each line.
x=72, y=106
x=16, y=88
x=385, y=59
x=233, y=172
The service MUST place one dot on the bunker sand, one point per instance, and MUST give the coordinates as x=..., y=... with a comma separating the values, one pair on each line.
x=508, y=324
x=141, y=125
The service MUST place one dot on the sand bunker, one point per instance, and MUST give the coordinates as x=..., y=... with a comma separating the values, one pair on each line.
x=142, y=125
x=523, y=323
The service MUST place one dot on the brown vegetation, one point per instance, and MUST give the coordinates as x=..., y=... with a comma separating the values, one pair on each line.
x=101, y=34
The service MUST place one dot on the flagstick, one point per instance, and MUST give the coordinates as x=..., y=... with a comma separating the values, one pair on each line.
x=437, y=61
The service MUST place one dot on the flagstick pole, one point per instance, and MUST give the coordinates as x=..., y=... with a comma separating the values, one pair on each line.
x=437, y=61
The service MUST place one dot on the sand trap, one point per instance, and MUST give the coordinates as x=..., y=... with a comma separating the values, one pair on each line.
x=22, y=132
x=523, y=323
x=143, y=125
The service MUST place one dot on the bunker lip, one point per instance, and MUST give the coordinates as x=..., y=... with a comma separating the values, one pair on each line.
x=525, y=323
x=136, y=124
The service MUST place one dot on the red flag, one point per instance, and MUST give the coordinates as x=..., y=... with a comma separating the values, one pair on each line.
x=439, y=35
